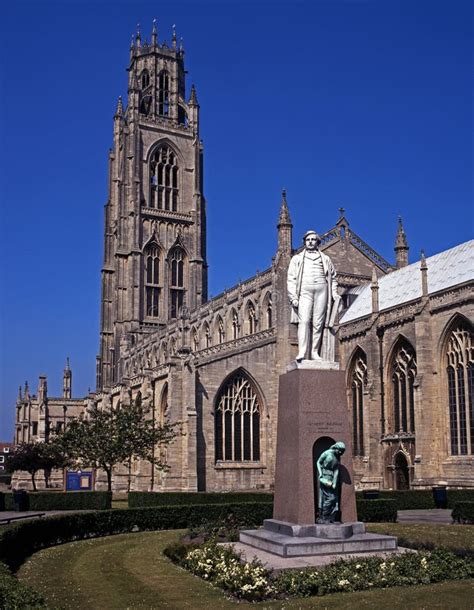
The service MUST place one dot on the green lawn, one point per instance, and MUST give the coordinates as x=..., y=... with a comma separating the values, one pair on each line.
x=451, y=536
x=130, y=572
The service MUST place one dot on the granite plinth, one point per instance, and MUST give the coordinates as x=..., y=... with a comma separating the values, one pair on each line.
x=304, y=546
x=312, y=413
x=314, y=365
x=331, y=531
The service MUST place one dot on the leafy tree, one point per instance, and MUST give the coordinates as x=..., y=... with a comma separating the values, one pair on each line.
x=106, y=438
x=32, y=457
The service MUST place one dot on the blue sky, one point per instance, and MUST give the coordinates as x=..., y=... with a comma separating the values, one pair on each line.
x=360, y=104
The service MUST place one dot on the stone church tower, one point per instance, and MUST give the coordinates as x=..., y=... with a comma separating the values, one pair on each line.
x=155, y=217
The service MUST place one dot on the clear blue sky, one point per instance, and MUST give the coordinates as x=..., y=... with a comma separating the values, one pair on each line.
x=361, y=104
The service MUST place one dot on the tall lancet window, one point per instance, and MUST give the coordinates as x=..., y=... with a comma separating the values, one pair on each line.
x=358, y=384
x=460, y=374
x=403, y=383
x=251, y=319
x=152, y=281
x=164, y=185
x=237, y=421
x=177, y=260
x=163, y=93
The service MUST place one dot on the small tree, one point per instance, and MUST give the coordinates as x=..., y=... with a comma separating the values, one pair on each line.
x=27, y=457
x=107, y=438
x=53, y=456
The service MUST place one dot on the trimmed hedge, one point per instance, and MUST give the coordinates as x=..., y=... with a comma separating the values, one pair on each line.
x=463, y=512
x=414, y=499
x=15, y=595
x=141, y=499
x=377, y=511
x=60, y=500
x=20, y=540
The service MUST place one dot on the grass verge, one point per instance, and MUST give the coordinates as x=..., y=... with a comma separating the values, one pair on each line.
x=130, y=571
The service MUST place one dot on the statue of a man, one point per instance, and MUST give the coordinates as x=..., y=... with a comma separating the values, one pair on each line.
x=312, y=290
x=328, y=475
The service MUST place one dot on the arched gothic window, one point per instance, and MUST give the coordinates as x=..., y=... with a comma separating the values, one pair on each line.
x=145, y=79
x=267, y=310
x=358, y=384
x=163, y=93
x=195, y=340
x=176, y=261
x=207, y=335
x=220, y=330
x=237, y=421
x=163, y=410
x=164, y=188
x=403, y=380
x=460, y=374
x=235, y=325
x=152, y=281
x=251, y=319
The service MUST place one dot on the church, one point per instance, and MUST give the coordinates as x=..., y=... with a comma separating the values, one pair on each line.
x=404, y=335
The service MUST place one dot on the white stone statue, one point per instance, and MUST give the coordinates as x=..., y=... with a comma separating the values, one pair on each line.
x=312, y=290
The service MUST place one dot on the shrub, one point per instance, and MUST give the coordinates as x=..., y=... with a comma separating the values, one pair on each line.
x=224, y=568
x=58, y=500
x=377, y=511
x=463, y=512
x=22, y=539
x=375, y=572
x=139, y=499
x=414, y=499
x=15, y=595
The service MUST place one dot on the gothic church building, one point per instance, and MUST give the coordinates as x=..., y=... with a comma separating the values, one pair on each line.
x=405, y=334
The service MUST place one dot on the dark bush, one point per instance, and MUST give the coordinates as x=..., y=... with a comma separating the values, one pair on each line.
x=14, y=595
x=22, y=539
x=463, y=512
x=2, y=500
x=377, y=511
x=60, y=500
x=414, y=499
x=140, y=499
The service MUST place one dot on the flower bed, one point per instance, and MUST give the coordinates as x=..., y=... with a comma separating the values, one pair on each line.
x=251, y=581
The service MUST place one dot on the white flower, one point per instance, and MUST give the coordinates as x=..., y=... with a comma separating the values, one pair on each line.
x=343, y=583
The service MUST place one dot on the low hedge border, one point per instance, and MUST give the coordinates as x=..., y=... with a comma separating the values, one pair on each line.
x=14, y=595
x=141, y=499
x=463, y=512
x=418, y=499
x=377, y=511
x=20, y=540
x=61, y=500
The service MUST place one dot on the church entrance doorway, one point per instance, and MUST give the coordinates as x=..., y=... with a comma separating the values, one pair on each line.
x=402, y=476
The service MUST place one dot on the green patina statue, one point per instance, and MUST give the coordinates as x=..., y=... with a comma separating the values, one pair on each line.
x=328, y=474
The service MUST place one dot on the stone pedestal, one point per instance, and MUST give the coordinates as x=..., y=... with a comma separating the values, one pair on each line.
x=312, y=415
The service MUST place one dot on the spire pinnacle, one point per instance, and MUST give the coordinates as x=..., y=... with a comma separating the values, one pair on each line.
x=193, y=96
x=119, y=110
x=284, y=218
x=174, y=37
x=19, y=393
x=138, y=37
x=154, y=34
x=68, y=368
x=401, y=246
x=424, y=274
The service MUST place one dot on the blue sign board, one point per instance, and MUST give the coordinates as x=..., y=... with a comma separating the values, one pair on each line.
x=80, y=480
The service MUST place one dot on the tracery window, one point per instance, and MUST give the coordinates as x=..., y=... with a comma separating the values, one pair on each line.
x=207, y=335
x=403, y=384
x=251, y=319
x=267, y=309
x=177, y=281
x=220, y=330
x=152, y=281
x=237, y=421
x=235, y=324
x=163, y=93
x=358, y=381
x=145, y=79
x=164, y=173
x=460, y=374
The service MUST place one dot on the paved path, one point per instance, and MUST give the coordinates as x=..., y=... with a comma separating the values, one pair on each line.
x=429, y=515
